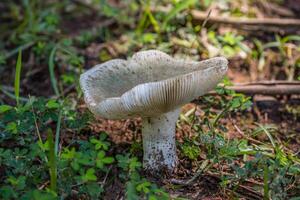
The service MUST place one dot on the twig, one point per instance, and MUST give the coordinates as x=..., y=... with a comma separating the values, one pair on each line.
x=206, y=19
x=106, y=175
x=191, y=180
x=245, y=136
x=201, y=16
x=44, y=185
x=268, y=88
x=271, y=88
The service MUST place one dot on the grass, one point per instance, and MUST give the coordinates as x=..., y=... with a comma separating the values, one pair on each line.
x=18, y=77
x=52, y=163
x=57, y=133
x=51, y=71
x=51, y=147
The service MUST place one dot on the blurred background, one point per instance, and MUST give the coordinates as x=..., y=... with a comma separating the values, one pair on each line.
x=48, y=44
x=259, y=37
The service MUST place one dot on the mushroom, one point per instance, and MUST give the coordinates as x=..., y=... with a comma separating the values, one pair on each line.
x=151, y=85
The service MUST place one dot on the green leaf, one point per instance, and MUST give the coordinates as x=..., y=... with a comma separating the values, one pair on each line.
x=4, y=108
x=94, y=190
x=18, y=76
x=102, y=160
x=68, y=154
x=75, y=165
x=99, y=164
x=143, y=187
x=52, y=104
x=246, y=104
x=19, y=182
x=12, y=127
x=41, y=195
x=131, y=193
x=123, y=161
x=134, y=164
x=235, y=102
x=108, y=160
x=108, y=10
x=7, y=192
x=152, y=197
x=100, y=144
x=183, y=4
x=101, y=154
x=190, y=150
x=89, y=175
x=44, y=146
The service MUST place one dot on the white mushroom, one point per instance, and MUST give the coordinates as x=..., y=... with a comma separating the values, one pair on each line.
x=154, y=86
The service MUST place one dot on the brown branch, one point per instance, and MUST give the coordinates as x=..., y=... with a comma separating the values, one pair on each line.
x=285, y=22
x=271, y=88
x=268, y=88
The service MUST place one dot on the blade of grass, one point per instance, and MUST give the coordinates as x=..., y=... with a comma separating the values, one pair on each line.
x=57, y=133
x=51, y=71
x=142, y=23
x=206, y=19
x=16, y=50
x=52, y=162
x=17, y=77
x=291, y=38
x=184, y=4
x=153, y=21
x=11, y=95
x=268, y=134
x=36, y=126
x=29, y=14
x=266, y=184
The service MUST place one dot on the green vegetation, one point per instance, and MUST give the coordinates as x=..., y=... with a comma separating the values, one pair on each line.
x=50, y=149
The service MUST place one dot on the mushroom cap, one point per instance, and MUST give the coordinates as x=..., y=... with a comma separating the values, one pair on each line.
x=148, y=84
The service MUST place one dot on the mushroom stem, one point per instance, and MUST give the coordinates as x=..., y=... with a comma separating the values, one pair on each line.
x=159, y=141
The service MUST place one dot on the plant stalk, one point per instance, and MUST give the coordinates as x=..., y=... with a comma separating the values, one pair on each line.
x=159, y=142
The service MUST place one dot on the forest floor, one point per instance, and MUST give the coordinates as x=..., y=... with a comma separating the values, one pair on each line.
x=231, y=144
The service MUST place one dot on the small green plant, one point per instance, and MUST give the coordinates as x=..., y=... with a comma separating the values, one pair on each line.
x=271, y=163
x=136, y=186
x=48, y=149
x=190, y=150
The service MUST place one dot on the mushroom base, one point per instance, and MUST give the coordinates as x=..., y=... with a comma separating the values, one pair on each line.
x=159, y=141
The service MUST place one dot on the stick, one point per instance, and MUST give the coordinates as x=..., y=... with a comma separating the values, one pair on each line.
x=190, y=181
x=268, y=88
x=271, y=88
x=201, y=16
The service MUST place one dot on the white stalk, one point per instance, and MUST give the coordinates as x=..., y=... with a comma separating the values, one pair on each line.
x=159, y=141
